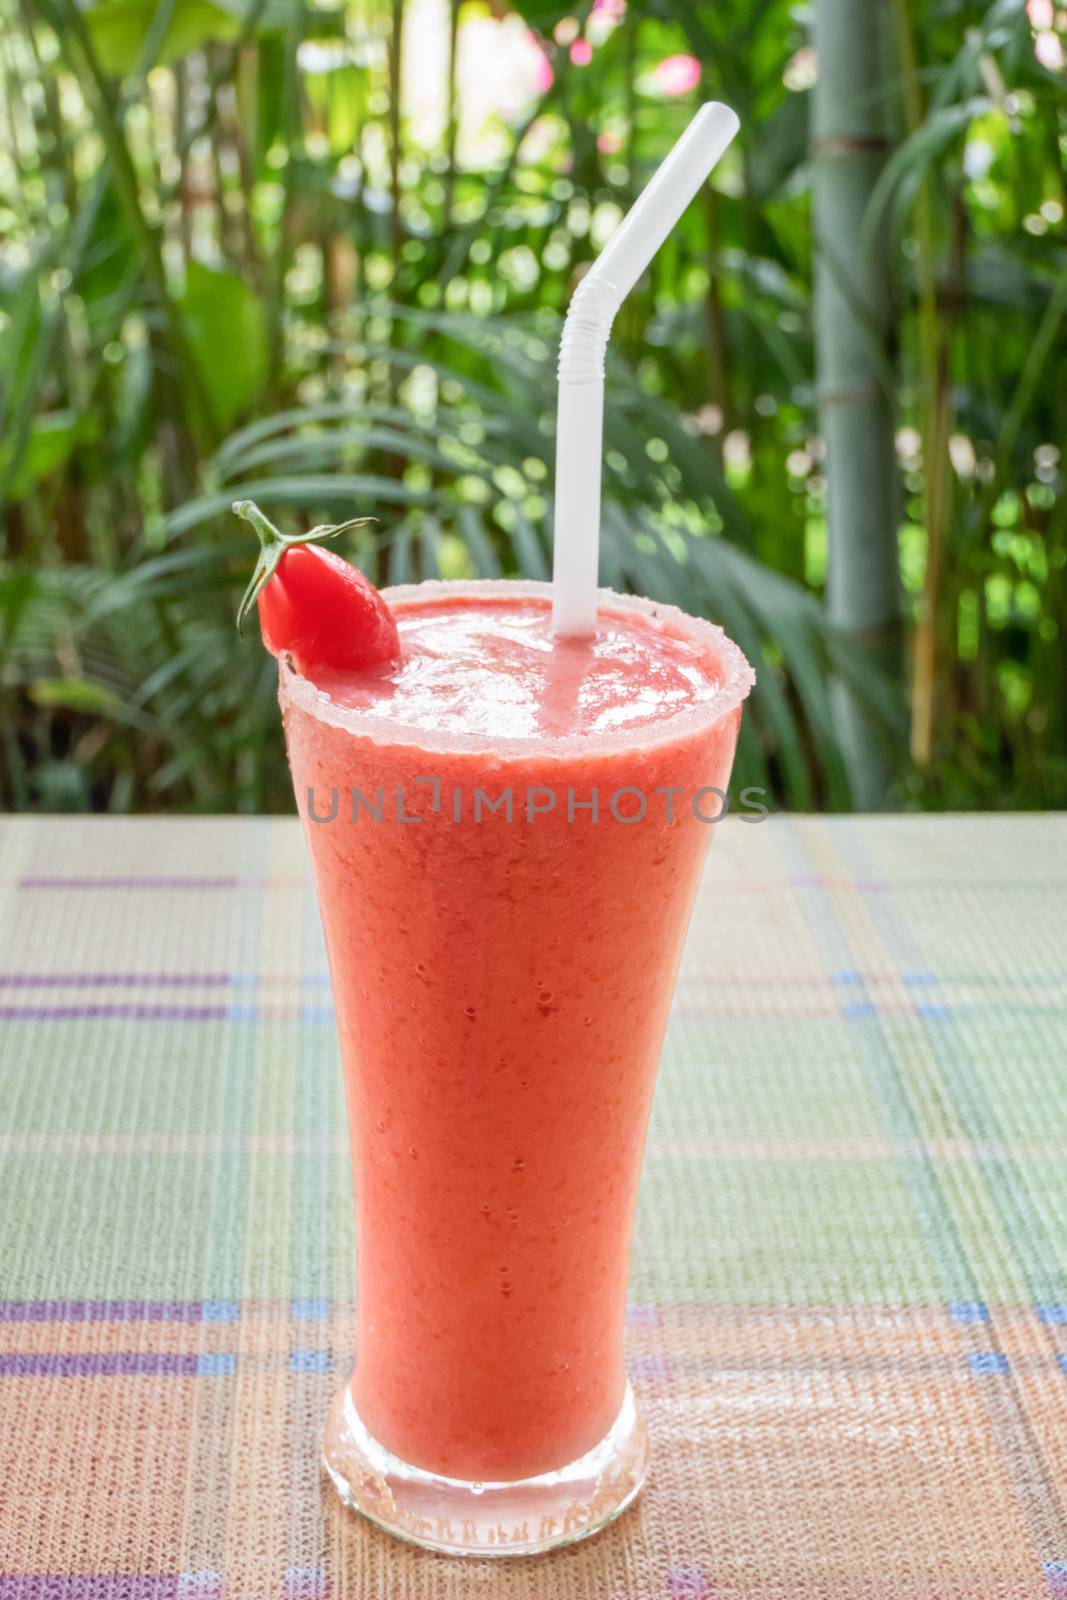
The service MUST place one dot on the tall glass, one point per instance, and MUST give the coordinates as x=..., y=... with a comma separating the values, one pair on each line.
x=503, y=920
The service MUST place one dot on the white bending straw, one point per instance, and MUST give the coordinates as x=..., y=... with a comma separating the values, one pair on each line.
x=580, y=415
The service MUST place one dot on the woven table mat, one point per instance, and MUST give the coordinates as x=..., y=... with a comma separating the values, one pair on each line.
x=848, y=1323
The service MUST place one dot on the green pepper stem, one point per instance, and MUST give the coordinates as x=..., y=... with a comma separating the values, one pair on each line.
x=273, y=545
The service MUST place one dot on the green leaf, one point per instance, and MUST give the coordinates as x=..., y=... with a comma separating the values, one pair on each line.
x=52, y=438
x=479, y=545
x=118, y=27
x=76, y=694
x=781, y=148
x=542, y=15
x=226, y=327
x=910, y=160
x=305, y=493
x=339, y=96
x=276, y=15
x=20, y=322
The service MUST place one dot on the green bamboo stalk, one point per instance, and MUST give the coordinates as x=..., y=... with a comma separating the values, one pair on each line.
x=292, y=121
x=12, y=97
x=718, y=375
x=452, y=130
x=226, y=66
x=236, y=133
x=61, y=154
x=1042, y=347
x=629, y=96
x=228, y=248
x=396, y=41
x=81, y=228
x=181, y=123
x=109, y=122
x=494, y=188
x=849, y=147
x=1051, y=650
x=935, y=411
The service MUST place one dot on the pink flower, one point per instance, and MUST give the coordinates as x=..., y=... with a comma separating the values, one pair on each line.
x=1049, y=51
x=581, y=52
x=608, y=143
x=608, y=8
x=542, y=68
x=677, y=74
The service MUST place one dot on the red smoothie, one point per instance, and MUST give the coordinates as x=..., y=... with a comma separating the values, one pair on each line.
x=502, y=975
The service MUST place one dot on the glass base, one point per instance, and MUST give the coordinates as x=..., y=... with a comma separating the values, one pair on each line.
x=485, y=1519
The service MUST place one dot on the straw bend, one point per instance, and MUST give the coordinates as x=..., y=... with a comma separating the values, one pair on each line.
x=592, y=311
x=580, y=416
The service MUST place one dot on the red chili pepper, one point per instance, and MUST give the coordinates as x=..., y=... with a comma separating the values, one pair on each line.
x=313, y=605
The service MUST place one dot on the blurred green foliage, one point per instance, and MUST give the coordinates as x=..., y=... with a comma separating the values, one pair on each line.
x=317, y=254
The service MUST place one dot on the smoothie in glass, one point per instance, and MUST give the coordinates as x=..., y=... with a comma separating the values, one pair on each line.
x=507, y=830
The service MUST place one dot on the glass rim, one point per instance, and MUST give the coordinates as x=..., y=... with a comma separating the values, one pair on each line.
x=737, y=680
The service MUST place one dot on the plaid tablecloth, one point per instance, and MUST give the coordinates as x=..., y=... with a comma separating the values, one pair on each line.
x=849, y=1298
